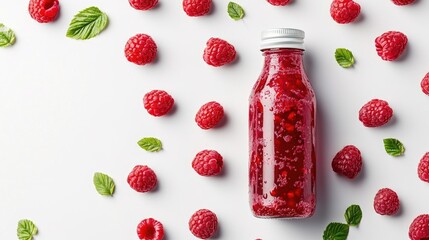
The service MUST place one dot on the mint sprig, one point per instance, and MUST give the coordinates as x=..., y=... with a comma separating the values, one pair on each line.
x=336, y=231
x=393, y=147
x=353, y=215
x=340, y=231
x=7, y=36
x=104, y=184
x=150, y=144
x=87, y=24
x=235, y=11
x=26, y=229
x=344, y=57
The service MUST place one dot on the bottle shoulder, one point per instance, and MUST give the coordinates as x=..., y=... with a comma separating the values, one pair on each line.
x=292, y=84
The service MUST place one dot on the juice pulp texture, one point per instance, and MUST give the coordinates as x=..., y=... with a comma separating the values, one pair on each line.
x=282, y=168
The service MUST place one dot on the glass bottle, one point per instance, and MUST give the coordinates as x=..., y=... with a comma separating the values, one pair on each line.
x=282, y=166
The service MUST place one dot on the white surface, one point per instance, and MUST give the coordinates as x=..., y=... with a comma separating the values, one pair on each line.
x=70, y=108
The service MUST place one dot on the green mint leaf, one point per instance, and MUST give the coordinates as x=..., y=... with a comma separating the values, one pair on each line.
x=353, y=215
x=104, y=184
x=336, y=231
x=7, y=36
x=87, y=24
x=26, y=230
x=393, y=147
x=344, y=57
x=150, y=144
x=235, y=11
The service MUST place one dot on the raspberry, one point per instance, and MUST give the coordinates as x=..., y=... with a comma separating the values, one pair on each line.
x=150, y=229
x=158, y=102
x=423, y=168
x=390, y=45
x=278, y=2
x=386, y=202
x=208, y=163
x=143, y=4
x=218, y=52
x=44, y=11
x=419, y=228
x=344, y=11
x=203, y=223
x=425, y=84
x=402, y=2
x=142, y=179
x=140, y=49
x=195, y=8
x=347, y=162
x=209, y=115
x=375, y=113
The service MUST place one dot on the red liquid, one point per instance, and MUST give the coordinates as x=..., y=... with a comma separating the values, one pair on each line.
x=282, y=169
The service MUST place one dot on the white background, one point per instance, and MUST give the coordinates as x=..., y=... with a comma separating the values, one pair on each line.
x=70, y=108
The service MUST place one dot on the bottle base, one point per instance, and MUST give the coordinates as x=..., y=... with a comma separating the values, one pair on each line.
x=281, y=217
x=265, y=212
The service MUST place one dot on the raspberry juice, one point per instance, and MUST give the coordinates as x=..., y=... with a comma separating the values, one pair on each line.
x=282, y=166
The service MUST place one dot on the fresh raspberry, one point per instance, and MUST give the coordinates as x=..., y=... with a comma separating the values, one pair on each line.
x=218, y=52
x=140, y=49
x=209, y=115
x=143, y=4
x=279, y=2
x=347, y=162
x=425, y=84
x=150, y=229
x=208, y=163
x=142, y=179
x=158, y=102
x=419, y=228
x=203, y=223
x=195, y=8
x=390, y=45
x=344, y=11
x=44, y=11
x=375, y=113
x=423, y=168
x=386, y=202
x=402, y=2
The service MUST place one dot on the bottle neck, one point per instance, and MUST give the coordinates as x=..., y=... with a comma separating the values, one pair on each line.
x=284, y=58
